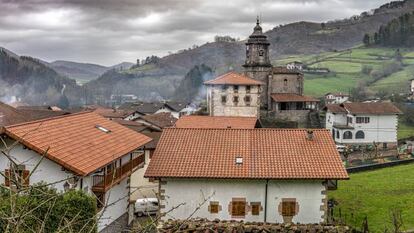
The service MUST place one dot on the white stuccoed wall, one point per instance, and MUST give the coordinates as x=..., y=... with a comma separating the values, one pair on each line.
x=192, y=192
x=47, y=171
x=50, y=172
x=118, y=194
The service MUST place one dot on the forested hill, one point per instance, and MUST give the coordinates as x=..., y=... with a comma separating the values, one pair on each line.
x=398, y=33
x=29, y=80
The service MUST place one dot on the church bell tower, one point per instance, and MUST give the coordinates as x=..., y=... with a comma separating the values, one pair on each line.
x=257, y=64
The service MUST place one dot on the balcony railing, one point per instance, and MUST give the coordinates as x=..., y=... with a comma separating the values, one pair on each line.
x=101, y=183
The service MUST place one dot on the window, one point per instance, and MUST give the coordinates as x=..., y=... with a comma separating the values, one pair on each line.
x=238, y=207
x=360, y=134
x=235, y=99
x=16, y=176
x=360, y=120
x=285, y=82
x=247, y=99
x=349, y=120
x=224, y=88
x=261, y=52
x=337, y=134
x=214, y=207
x=384, y=145
x=288, y=207
x=247, y=89
x=223, y=99
x=236, y=89
x=256, y=207
x=347, y=135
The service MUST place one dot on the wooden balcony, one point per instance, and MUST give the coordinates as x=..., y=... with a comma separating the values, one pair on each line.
x=102, y=183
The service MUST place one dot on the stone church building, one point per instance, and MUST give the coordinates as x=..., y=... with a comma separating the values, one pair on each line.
x=282, y=89
x=262, y=88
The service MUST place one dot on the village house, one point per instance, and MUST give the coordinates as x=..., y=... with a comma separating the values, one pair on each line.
x=296, y=65
x=363, y=123
x=158, y=120
x=336, y=98
x=233, y=94
x=177, y=109
x=218, y=122
x=262, y=175
x=82, y=151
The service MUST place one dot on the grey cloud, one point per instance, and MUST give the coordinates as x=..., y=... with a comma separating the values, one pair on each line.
x=108, y=32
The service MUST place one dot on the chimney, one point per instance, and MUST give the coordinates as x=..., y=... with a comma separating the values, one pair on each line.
x=309, y=135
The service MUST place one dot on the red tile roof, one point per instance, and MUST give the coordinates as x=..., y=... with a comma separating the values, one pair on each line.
x=10, y=115
x=217, y=122
x=372, y=108
x=289, y=97
x=376, y=108
x=233, y=78
x=162, y=119
x=75, y=142
x=335, y=108
x=266, y=153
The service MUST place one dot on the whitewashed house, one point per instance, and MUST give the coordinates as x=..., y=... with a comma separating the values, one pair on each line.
x=263, y=175
x=82, y=151
x=336, y=98
x=363, y=123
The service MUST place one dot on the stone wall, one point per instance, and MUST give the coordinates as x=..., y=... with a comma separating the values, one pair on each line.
x=293, y=84
x=231, y=108
x=202, y=225
x=300, y=116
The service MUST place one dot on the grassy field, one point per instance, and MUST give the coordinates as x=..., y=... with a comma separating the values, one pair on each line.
x=374, y=194
x=347, y=66
x=405, y=131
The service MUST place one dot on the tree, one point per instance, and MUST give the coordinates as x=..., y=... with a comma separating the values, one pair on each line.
x=366, y=40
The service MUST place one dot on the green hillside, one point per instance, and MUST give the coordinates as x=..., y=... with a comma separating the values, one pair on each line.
x=351, y=66
x=374, y=194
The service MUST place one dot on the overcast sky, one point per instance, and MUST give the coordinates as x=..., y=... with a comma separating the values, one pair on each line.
x=108, y=32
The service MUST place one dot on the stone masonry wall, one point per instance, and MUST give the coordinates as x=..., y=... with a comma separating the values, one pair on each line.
x=202, y=225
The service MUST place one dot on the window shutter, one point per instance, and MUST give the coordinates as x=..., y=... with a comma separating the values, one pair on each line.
x=26, y=178
x=238, y=208
x=7, y=178
x=289, y=208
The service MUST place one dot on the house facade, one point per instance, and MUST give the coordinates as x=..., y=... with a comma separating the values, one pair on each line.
x=82, y=151
x=363, y=123
x=233, y=94
x=336, y=98
x=246, y=180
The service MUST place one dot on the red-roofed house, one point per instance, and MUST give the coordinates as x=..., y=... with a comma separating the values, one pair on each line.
x=363, y=123
x=82, y=151
x=233, y=94
x=262, y=175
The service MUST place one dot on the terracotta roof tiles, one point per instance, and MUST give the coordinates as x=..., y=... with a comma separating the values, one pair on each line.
x=217, y=122
x=266, y=154
x=75, y=141
x=233, y=78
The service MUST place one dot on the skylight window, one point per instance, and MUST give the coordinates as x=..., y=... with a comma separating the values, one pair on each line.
x=103, y=129
x=239, y=160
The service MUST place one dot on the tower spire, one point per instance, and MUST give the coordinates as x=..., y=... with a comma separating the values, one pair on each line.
x=257, y=20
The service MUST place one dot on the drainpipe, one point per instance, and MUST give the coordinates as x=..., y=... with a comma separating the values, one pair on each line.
x=265, y=202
